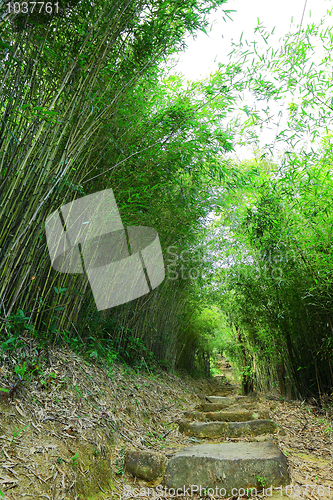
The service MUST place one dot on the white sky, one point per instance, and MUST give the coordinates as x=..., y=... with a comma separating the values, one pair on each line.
x=204, y=52
x=198, y=60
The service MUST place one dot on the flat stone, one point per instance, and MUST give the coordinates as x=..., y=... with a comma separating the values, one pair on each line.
x=228, y=400
x=220, y=379
x=224, y=391
x=226, y=416
x=147, y=465
x=195, y=415
x=227, y=466
x=231, y=403
x=227, y=429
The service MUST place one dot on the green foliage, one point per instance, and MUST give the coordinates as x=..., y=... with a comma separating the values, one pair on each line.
x=273, y=233
x=17, y=432
x=201, y=340
x=95, y=110
x=74, y=459
x=262, y=481
x=87, y=103
x=294, y=70
x=15, y=325
x=278, y=289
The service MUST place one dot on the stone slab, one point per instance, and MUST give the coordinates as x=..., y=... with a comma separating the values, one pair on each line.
x=207, y=407
x=227, y=429
x=225, y=391
x=228, y=399
x=226, y=416
x=228, y=466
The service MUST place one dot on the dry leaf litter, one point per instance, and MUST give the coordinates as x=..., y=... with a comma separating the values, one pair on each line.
x=65, y=438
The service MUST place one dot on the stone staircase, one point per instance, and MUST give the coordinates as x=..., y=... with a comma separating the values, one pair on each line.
x=251, y=464
x=232, y=423
x=228, y=466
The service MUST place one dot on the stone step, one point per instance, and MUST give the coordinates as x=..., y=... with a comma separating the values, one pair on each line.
x=228, y=403
x=227, y=400
x=226, y=416
x=225, y=391
x=227, y=466
x=227, y=429
x=221, y=379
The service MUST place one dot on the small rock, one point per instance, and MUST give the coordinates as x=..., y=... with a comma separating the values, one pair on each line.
x=147, y=465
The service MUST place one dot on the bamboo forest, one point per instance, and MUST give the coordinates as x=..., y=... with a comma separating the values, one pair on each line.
x=90, y=103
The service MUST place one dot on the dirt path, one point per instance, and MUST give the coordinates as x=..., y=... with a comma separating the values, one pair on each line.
x=304, y=437
x=66, y=439
x=224, y=423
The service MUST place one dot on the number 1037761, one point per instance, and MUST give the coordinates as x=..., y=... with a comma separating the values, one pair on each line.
x=30, y=7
